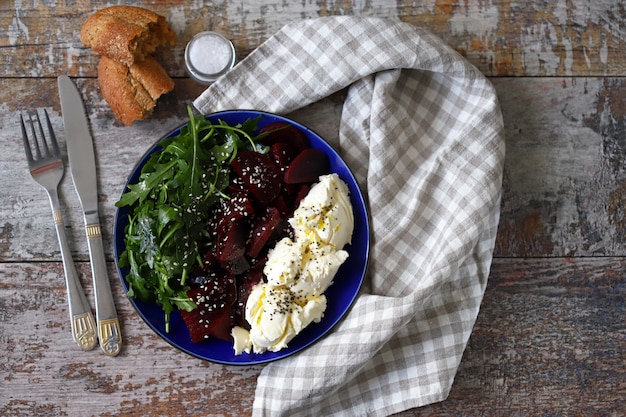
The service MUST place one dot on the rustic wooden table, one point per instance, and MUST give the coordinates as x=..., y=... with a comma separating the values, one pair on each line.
x=551, y=336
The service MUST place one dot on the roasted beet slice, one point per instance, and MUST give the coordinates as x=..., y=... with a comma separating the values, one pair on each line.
x=215, y=298
x=260, y=174
x=283, y=153
x=209, y=258
x=307, y=167
x=201, y=328
x=236, y=207
x=303, y=190
x=263, y=227
x=236, y=186
x=284, y=132
x=236, y=266
x=248, y=281
x=281, y=204
x=231, y=241
x=290, y=189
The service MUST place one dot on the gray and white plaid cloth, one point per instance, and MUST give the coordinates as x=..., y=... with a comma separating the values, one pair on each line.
x=421, y=129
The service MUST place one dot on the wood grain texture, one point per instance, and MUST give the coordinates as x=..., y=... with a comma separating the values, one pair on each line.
x=564, y=176
x=503, y=38
x=25, y=214
x=564, y=184
x=45, y=374
x=550, y=338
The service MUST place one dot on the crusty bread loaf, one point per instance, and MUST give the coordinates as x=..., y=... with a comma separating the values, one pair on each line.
x=130, y=79
x=132, y=91
x=126, y=33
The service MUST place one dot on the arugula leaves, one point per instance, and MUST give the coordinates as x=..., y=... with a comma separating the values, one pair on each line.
x=171, y=206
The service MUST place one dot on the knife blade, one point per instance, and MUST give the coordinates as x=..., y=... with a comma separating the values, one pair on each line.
x=82, y=164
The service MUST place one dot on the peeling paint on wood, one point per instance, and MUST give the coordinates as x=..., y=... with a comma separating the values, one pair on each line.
x=25, y=211
x=507, y=38
x=550, y=337
x=564, y=176
x=43, y=370
x=512, y=354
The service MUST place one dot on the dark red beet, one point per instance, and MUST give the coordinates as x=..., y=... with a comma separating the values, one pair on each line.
x=236, y=186
x=284, y=132
x=210, y=257
x=281, y=204
x=236, y=266
x=231, y=241
x=238, y=206
x=263, y=194
x=307, y=167
x=260, y=174
x=283, y=153
x=215, y=299
x=263, y=227
x=248, y=281
x=303, y=190
x=290, y=189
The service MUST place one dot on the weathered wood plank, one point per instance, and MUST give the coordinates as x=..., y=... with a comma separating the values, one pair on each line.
x=565, y=182
x=550, y=336
x=25, y=214
x=564, y=185
x=549, y=340
x=43, y=373
x=504, y=38
x=25, y=210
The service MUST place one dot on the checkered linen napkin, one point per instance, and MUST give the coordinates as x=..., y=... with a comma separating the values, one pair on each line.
x=422, y=131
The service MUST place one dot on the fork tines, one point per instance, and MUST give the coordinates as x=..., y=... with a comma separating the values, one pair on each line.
x=39, y=144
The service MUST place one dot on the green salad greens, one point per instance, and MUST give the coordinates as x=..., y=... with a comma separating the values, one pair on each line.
x=170, y=208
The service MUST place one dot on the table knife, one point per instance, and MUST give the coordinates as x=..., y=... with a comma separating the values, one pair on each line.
x=82, y=164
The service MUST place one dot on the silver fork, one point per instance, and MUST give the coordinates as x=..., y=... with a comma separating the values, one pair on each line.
x=46, y=168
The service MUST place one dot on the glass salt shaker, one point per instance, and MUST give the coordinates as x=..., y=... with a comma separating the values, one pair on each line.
x=209, y=55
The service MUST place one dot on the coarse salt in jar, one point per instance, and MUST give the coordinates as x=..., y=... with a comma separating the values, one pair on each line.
x=208, y=56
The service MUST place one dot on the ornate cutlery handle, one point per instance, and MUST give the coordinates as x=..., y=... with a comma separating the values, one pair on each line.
x=83, y=324
x=109, y=331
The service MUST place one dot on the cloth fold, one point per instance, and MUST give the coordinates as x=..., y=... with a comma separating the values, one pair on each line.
x=422, y=131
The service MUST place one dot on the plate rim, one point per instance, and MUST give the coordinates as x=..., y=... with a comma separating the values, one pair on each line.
x=266, y=357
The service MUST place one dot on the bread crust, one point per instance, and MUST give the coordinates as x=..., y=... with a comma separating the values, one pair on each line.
x=132, y=91
x=152, y=77
x=126, y=33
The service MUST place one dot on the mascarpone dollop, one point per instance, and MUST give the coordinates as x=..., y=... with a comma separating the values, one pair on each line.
x=325, y=215
x=299, y=271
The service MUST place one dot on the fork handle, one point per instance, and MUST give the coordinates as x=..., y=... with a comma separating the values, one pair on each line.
x=109, y=331
x=83, y=324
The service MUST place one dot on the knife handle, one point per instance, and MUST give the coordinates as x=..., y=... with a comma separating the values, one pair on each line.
x=82, y=322
x=109, y=331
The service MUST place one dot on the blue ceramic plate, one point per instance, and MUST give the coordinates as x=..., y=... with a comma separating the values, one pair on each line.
x=340, y=294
